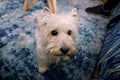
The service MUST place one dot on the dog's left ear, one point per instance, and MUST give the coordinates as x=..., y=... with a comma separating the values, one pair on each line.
x=75, y=17
x=74, y=12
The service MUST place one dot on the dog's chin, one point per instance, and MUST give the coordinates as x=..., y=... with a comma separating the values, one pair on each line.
x=65, y=58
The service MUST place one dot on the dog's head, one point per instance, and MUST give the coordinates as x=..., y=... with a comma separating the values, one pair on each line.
x=58, y=32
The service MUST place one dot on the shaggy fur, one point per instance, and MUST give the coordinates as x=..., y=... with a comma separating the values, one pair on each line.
x=55, y=37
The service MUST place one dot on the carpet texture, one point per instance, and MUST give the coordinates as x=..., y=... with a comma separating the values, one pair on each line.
x=17, y=42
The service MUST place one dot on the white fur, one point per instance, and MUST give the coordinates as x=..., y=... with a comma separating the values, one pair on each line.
x=48, y=46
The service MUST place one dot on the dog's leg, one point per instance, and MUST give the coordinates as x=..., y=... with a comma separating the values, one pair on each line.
x=42, y=63
x=28, y=6
x=42, y=69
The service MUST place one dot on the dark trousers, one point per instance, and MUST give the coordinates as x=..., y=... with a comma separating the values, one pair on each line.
x=110, y=4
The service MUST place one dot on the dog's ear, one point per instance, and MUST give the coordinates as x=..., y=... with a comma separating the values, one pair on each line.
x=75, y=17
x=46, y=10
x=74, y=12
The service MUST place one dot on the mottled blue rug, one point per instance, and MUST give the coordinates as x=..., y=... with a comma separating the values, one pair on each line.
x=17, y=42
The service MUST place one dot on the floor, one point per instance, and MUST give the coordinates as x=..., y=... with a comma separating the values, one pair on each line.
x=17, y=40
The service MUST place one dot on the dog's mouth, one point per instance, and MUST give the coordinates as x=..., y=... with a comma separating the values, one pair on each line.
x=64, y=56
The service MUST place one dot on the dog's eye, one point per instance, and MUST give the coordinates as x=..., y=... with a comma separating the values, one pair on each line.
x=54, y=33
x=69, y=32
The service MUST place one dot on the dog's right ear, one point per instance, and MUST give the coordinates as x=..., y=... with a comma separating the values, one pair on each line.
x=45, y=13
x=46, y=10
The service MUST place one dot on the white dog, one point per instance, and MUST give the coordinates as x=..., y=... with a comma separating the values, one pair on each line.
x=55, y=37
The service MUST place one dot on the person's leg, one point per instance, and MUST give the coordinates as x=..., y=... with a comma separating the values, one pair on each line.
x=110, y=4
x=103, y=10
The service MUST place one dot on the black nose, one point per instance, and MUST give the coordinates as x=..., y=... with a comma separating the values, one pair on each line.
x=64, y=50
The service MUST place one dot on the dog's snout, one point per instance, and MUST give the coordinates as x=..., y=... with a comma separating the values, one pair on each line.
x=64, y=50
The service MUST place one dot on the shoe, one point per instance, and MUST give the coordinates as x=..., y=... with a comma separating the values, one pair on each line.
x=99, y=10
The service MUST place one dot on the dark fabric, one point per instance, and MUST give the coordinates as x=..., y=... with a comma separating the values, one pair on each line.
x=108, y=64
x=113, y=22
x=110, y=4
x=114, y=76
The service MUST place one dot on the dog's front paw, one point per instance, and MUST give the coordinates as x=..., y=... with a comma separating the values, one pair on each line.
x=42, y=69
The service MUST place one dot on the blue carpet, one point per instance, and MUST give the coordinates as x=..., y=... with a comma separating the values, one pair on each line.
x=17, y=42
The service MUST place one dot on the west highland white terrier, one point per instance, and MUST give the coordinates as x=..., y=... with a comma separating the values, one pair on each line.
x=55, y=37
